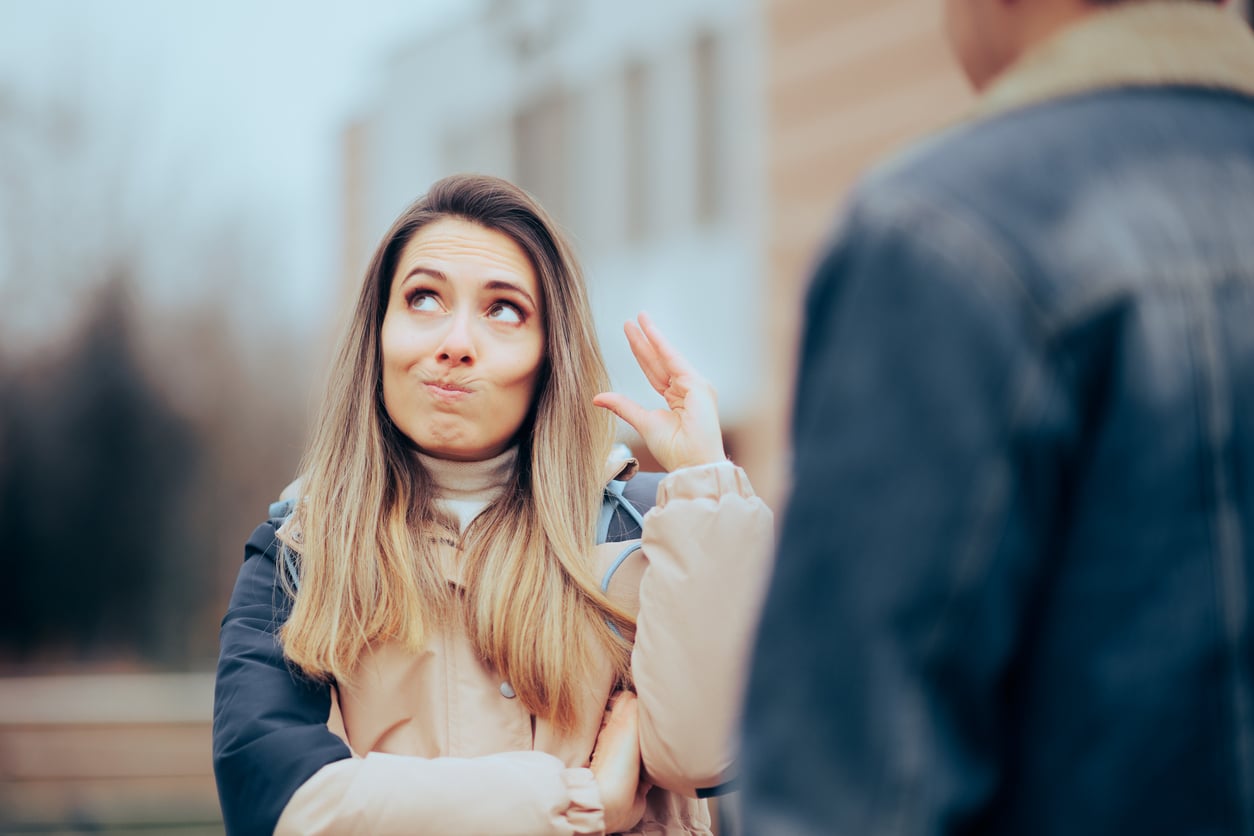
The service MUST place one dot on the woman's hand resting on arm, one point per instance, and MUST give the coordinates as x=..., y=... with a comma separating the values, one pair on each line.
x=616, y=764
x=687, y=433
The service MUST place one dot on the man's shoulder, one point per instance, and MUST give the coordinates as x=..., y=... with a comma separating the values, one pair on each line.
x=963, y=170
x=1039, y=192
x=966, y=159
x=956, y=175
x=1046, y=144
x=967, y=201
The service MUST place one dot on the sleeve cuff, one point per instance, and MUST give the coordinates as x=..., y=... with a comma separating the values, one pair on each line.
x=705, y=481
x=510, y=793
x=586, y=814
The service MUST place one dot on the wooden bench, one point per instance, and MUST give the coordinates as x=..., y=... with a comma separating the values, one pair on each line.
x=116, y=754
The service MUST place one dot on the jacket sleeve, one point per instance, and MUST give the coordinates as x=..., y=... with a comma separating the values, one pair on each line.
x=708, y=545
x=269, y=723
x=507, y=794
x=281, y=769
x=906, y=553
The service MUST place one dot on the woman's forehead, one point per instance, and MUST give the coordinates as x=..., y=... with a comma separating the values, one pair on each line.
x=464, y=250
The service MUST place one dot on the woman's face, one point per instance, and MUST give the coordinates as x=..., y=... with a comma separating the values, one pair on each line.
x=462, y=340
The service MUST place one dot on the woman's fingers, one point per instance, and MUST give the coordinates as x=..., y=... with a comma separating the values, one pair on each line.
x=685, y=433
x=627, y=409
x=619, y=738
x=647, y=357
x=671, y=360
x=623, y=710
x=658, y=359
x=616, y=763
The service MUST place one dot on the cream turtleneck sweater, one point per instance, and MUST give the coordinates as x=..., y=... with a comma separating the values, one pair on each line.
x=465, y=489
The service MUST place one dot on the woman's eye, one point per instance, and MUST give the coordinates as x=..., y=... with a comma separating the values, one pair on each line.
x=424, y=301
x=505, y=312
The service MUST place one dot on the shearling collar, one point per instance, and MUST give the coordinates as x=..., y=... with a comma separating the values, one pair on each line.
x=622, y=465
x=1131, y=45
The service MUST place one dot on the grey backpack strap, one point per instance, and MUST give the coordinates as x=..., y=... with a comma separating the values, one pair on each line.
x=608, y=506
x=289, y=566
x=618, y=490
x=612, y=502
x=280, y=512
x=615, y=500
x=618, y=561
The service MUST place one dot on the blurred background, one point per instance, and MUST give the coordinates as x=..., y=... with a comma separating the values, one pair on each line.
x=189, y=193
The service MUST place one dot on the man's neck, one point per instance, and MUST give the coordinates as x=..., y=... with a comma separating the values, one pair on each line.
x=1034, y=24
x=1130, y=44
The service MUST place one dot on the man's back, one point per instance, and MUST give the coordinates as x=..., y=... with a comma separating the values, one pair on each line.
x=1022, y=604
x=1128, y=218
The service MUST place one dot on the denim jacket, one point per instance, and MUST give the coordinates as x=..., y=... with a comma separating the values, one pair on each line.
x=1013, y=590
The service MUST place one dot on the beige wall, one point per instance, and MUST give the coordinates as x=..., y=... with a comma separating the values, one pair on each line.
x=848, y=81
x=357, y=243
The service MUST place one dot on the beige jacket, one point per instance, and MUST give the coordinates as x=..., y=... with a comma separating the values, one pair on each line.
x=441, y=746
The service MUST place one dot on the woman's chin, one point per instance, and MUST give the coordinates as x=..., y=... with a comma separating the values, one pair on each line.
x=460, y=452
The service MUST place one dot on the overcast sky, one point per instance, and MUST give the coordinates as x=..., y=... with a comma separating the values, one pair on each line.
x=249, y=96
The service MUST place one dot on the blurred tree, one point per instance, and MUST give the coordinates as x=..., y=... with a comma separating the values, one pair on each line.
x=144, y=422
x=95, y=475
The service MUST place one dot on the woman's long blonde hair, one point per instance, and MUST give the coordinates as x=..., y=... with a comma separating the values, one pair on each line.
x=369, y=571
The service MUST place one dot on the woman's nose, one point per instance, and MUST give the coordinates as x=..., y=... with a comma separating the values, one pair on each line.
x=458, y=345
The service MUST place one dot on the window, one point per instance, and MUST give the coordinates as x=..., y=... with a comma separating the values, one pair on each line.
x=707, y=112
x=638, y=162
x=540, y=152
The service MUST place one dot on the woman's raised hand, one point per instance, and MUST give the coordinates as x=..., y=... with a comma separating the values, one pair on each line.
x=687, y=432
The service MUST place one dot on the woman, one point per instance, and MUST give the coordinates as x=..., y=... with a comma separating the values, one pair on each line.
x=428, y=643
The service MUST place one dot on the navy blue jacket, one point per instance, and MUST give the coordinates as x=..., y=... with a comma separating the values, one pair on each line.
x=270, y=730
x=1014, y=586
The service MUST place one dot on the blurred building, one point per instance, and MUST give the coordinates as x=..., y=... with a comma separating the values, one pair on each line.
x=847, y=84
x=696, y=150
x=640, y=132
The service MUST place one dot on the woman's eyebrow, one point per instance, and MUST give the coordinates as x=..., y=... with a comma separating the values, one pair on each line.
x=425, y=271
x=500, y=284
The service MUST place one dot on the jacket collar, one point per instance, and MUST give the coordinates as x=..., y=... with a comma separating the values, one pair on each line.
x=1134, y=44
x=620, y=468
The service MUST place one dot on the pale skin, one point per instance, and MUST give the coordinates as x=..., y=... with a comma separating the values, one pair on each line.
x=987, y=36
